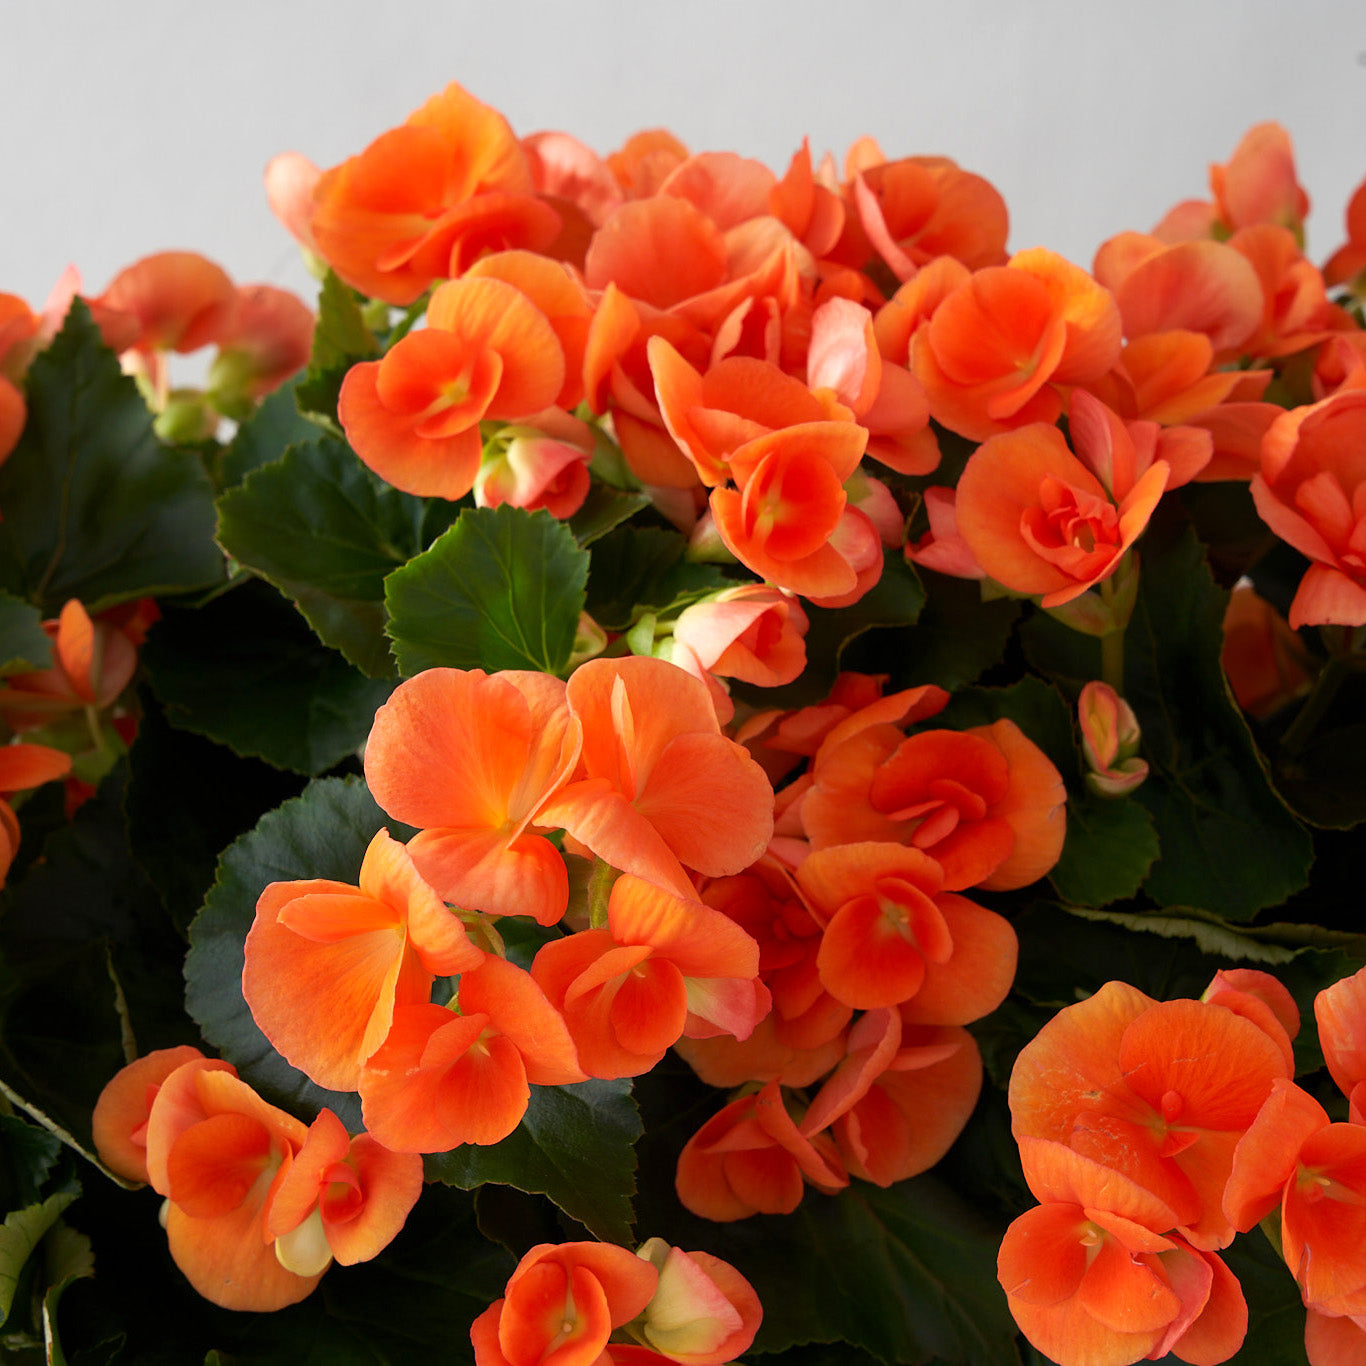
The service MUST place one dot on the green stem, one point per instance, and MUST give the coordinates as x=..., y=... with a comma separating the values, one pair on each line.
x=1111, y=646
x=1325, y=689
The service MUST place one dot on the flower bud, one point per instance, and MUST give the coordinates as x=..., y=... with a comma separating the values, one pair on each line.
x=1109, y=738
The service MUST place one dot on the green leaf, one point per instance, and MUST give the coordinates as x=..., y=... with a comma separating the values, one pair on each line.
x=1110, y=847
x=575, y=1145
x=22, y=1231
x=264, y=437
x=68, y=1259
x=187, y=799
x=326, y=531
x=246, y=671
x=643, y=566
x=604, y=509
x=96, y=507
x=957, y=636
x=906, y=1274
x=1326, y=781
x=502, y=589
x=27, y=1155
x=1228, y=842
x=23, y=642
x=339, y=340
x=322, y=833
x=80, y=917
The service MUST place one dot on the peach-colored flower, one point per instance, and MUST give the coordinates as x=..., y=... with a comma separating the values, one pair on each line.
x=1311, y=491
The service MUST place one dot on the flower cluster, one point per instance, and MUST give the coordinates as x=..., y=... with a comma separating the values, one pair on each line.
x=685, y=608
x=257, y=1204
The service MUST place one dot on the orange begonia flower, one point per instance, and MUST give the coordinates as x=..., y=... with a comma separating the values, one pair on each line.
x=413, y=417
x=788, y=519
x=471, y=759
x=659, y=786
x=1347, y=264
x=341, y=1197
x=1167, y=377
x=443, y=1078
x=703, y=1311
x=750, y=1158
x=886, y=398
x=1311, y=491
x=917, y=208
x=664, y=965
x=328, y=964
x=1316, y=1171
x=996, y=346
x=21, y=767
x=1162, y=1092
x=900, y=1098
x=1092, y=1282
x=986, y=803
x=218, y=1152
x=739, y=398
x=562, y=1303
x=1039, y=522
x=813, y=212
x=119, y=1123
x=1205, y=287
x=1259, y=184
x=1340, y=1012
x=645, y=160
x=1262, y=657
x=891, y=932
x=801, y=1038
x=427, y=198
x=93, y=663
x=1334, y=1341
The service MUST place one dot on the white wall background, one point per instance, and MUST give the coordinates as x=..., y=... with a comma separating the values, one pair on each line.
x=131, y=126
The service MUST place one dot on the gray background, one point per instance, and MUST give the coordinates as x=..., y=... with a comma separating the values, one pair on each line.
x=141, y=125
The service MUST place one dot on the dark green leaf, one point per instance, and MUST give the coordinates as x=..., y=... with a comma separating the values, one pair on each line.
x=603, y=509
x=906, y=1274
x=576, y=1145
x=263, y=438
x=1326, y=781
x=86, y=940
x=1228, y=843
x=637, y=566
x=187, y=799
x=325, y=531
x=27, y=1155
x=23, y=642
x=96, y=507
x=340, y=339
x=321, y=834
x=1111, y=845
x=502, y=589
x=957, y=636
x=246, y=671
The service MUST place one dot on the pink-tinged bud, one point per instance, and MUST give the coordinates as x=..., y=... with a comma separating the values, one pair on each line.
x=703, y=1312
x=753, y=632
x=532, y=468
x=1109, y=738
